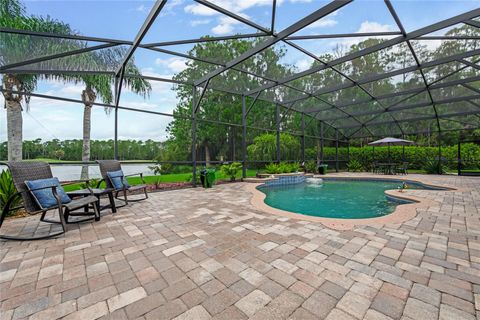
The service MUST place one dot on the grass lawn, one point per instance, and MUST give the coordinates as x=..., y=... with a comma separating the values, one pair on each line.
x=166, y=178
x=49, y=160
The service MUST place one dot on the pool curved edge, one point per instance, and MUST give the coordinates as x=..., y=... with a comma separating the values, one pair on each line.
x=402, y=213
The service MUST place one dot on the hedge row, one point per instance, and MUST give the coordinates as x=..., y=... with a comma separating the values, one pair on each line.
x=416, y=156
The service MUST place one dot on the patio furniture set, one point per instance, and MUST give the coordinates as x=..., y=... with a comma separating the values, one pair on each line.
x=390, y=167
x=40, y=193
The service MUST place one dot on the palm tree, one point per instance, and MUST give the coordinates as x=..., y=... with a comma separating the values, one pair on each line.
x=17, y=48
x=101, y=85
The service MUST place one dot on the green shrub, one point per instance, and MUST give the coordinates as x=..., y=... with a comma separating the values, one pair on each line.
x=8, y=190
x=311, y=166
x=354, y=166
x=166, y=168
x=92, y=183
x=416, y=156
x=231, y=170
x=272, y=168
x=283, y=167
x=190, y=178
x=434, y=167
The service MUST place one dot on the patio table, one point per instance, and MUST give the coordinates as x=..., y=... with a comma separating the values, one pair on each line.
x=388, y=167
x=97, y=193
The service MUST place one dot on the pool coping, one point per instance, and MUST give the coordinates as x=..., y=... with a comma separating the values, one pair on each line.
x=403, y=212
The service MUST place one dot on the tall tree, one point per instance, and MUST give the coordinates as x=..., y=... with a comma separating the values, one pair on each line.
x=101, y=86
x=17, y=48
x=215, y=140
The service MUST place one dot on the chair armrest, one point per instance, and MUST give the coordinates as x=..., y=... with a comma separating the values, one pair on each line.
x=136, y=174
x=55, y=194
x=133, y=174
x=67, y=183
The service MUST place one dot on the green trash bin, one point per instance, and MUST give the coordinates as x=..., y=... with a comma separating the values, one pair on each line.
x=322, y=169
x=209, y=178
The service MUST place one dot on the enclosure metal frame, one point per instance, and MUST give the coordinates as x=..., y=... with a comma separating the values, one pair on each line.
x=286, y=36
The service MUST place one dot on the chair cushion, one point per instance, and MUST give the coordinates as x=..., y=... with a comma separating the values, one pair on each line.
x=44, y=197
x=118, y=180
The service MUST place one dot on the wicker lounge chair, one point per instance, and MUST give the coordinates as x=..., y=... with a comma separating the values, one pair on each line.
x=33, y=170
x=114, y=165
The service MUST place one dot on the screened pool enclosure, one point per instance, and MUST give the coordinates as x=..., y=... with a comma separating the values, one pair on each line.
x=399, y=81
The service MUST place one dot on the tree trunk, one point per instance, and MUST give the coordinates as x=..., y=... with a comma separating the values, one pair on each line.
x=14, y=129
x=87, y=115
x=207, y=155
x=88, y=97
x=14, y=116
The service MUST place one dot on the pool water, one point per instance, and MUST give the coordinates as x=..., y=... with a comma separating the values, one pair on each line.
x=334, y=198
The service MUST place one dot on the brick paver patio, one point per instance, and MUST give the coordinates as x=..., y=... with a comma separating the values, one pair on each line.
x=201, y=254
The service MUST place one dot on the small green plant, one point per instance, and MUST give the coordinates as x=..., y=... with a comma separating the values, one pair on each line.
x=311, y=166
x=272, y=168
x=283, y=167
x=8, y=190
x=434, y=167
x=166, y=168
x=157, y=171
x=354, y=166
x=190, y=178
x=231, y=170
x=92, y=183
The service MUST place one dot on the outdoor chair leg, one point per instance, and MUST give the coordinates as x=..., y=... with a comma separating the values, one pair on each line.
x=96, y=210
x=68, y=213
x=112, y=202
x=63, y=222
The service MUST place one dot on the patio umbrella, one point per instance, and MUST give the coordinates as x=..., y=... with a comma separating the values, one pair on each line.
x=390, y=142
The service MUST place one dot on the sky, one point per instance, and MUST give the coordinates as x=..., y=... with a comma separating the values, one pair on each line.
x=185, y=19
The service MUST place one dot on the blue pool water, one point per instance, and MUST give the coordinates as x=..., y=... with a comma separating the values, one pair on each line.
x=334, y=198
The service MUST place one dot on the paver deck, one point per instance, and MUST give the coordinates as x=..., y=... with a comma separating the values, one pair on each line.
x=202, y=254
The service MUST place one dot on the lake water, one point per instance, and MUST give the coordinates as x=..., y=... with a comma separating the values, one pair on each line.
x=72, y=172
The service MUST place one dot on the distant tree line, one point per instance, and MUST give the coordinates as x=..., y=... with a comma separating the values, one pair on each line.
x=71, y=150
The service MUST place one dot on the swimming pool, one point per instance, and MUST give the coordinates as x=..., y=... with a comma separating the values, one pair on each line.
x=344, y=199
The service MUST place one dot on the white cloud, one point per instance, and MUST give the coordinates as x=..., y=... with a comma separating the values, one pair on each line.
x=225, y=26
x=141, y=8
x=173, y=3
x=176, y=65
x=368, y=26
x=195, y=23
x=303, y=64
x=322, y=23
x=200, y=10
x=72, y=90
x=230, y=5
x=365, y=27
x=432, y=45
